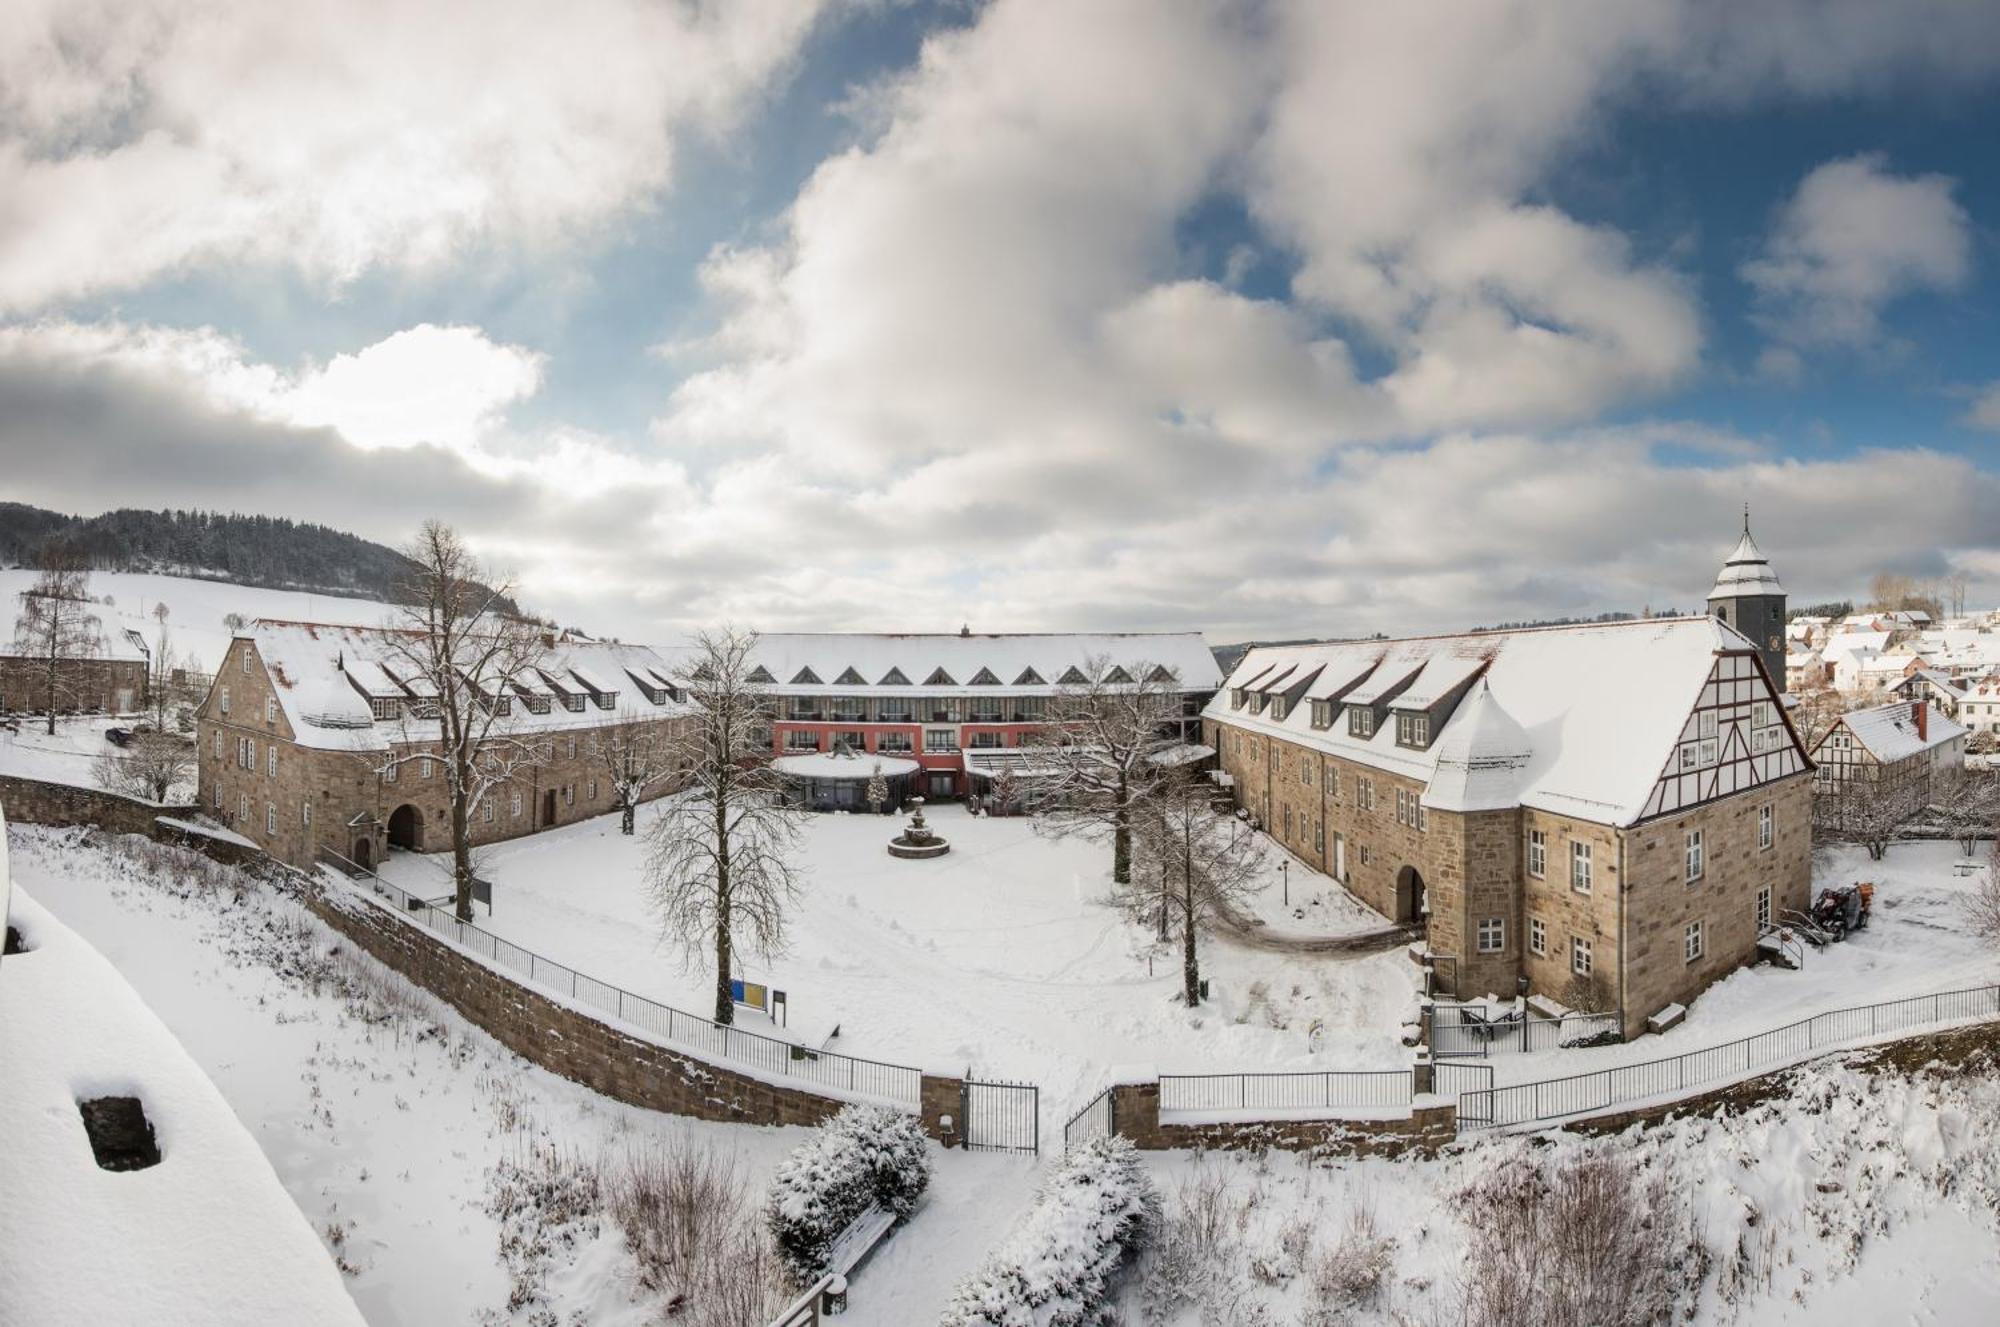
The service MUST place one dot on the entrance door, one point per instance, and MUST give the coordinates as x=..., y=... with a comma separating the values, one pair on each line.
x=942, y=785
x=364, y=854
x=548, y=808
x=1340, y=859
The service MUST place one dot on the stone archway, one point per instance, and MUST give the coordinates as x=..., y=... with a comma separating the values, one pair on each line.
x=406, y=828
x=1412, y=898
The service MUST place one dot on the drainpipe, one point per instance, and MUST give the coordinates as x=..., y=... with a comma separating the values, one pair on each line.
x=1624, y=959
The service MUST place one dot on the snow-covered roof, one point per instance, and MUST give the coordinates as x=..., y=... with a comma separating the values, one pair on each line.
x=1602, y=708
x=1889, y=732
x=834, y=765
x=205, y=1235
x=1746, y=571
x=311, y=665
x=1018, y=664
x=1480, y=758
x=1855, y=642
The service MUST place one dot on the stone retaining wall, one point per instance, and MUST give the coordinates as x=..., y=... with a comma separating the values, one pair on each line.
x=33, y=802
x=587, y=1050
x=1430, y=1124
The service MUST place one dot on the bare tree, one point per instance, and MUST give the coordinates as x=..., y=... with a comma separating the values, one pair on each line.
x=1982, y=905
x=149, y=765
x=453, y=636
x=1096, y=744
x=1819, y=708
x=1967, y=803
x=1209, y=862
x=162, y=695
x=637, y=756
x=1868, y=812
x=1955, y=585
x=717, y=867
x=56, y=628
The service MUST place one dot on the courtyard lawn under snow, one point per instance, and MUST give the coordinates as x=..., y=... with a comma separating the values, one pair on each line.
x=1002, y=956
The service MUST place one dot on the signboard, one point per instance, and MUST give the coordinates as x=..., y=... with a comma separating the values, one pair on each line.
x=756, y=995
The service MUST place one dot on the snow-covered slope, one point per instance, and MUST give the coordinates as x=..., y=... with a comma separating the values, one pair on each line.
x=196, y=608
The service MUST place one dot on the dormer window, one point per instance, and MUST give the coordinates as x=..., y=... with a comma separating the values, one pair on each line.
x=939, y=678
x=760, y=675
x=1361, y=721
x=805, y=677
x=1074, y=677
x=573, y=702
x=984, y=678
x=385, y=707
x=1258, y=702
x=605, y=700
x=1118, y=675
x=538, y=704
x=1280, y=707
x=1413, y=730
x=1236, y=698
x=894, y=678
x=850, y=678
x=1322, y=714
x=1029, y=678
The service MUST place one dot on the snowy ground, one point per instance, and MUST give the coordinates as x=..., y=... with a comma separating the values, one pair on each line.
x=1297, y=902
x=1916, y=943
x=196, y=608
x=388, y=1119
x=1857, y=1197
x=1001, y=956
x=71, y=755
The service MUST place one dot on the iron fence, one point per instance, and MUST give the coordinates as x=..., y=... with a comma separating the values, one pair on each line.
x=1458, y=1029
x=1093, y=1121
x=1002, y=1117
x=708, y=1039
x=1602, y=1089
x=1313, y=1089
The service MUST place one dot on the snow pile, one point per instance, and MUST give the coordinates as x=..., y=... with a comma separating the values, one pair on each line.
x=1056, y=1269
x=865, y=1155
x=204, y=1235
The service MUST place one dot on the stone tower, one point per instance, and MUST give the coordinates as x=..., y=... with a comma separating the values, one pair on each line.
x=1747, y=596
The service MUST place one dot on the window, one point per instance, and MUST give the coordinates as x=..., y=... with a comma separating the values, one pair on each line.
x=242, y=808
x=1762, y=714
x=271, y=760
x=1538, y=937
x=1763, y=909
x=1423, y=816
x=270, y=817
x=514, y=804
x=1365, y=854
x=1402, y=807
x=986, y=741
x=572, y=746
x=1280, y=707
x=1692, y=941
x=225, y=700
x=1538, y=853
x=1689, y=756
x=1695, y=861
x=893, y=711
x=218, y=744
x=893, y=742
x=569, y=794
x=1288, y=823
x=306, y=813
x=851, y=708
x=389, y=774
x=1708, y=731
x=801, y=739
x=1236, y=698
x=1322, y=714
x=1763, y=828
x=1361, y=721
x=1306, y=772
x=244, y=659
x=1492, y=934
x=1579, y=956
x=383, y=707
x=270, y=709
x=593, y=790
x=1413, y=730
x=1579, y=866
x=854, y=740
x=939, y=740
x=1319, y=839
x=424, y=768
x=217, y=799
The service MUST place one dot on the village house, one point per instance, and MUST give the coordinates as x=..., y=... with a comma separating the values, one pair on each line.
x=111, y=679
x=312, y=742
x=1898, y=747
x=944, y=714
x=1979, y=711
x=1608, y=816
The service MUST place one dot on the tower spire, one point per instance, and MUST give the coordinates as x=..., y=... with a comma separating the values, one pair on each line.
x=1746, y=518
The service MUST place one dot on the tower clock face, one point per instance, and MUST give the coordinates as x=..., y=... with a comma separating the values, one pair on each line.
x=1774, y=642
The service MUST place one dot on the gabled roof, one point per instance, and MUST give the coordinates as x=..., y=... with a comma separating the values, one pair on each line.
x=1602, y=707
x=1889, y=732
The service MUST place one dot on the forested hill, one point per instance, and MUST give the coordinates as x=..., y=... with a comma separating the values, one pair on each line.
x=264, y=551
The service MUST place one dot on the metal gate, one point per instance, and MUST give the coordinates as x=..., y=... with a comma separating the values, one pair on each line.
x=1478, y=1030
x=1472, y=1084
x=1003, y=1117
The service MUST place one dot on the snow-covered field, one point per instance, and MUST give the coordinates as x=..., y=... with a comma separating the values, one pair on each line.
x=196, y=608
x=1002, y=955
x=1856, y=1197
x=71, y=755
x=391, y=1122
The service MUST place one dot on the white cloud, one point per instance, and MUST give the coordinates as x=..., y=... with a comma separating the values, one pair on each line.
x=1985, y=410
x=1852, y=239
x=139, y=139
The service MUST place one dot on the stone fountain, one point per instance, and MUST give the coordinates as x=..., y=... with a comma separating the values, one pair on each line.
x=917, y=840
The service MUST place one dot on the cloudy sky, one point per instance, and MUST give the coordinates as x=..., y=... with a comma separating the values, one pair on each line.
x=1262, y=318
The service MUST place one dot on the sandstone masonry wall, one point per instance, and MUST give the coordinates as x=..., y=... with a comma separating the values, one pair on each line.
x=1431, y=1123
x=33, y=802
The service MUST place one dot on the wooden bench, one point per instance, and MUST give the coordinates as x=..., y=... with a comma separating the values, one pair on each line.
x=851, y=1248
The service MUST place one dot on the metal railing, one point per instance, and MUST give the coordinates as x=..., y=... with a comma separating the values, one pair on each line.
x=1458, y=1029
x=708, y=1039
x=1093, y=1121
x=1313, y=1089
x=1602, y=1089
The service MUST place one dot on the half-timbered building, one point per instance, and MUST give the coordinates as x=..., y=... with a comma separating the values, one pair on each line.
x=1609, y=816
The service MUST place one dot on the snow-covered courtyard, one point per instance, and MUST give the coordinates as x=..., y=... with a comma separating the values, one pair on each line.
x=1004, y=956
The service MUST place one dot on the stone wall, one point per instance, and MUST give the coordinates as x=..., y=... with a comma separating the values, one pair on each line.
x=587, y=1050
x=1430, y=1124
x=33, y=802
x=104, y=686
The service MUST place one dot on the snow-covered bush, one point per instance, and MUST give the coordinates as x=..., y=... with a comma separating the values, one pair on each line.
x=863, y=1155
x=1057, y=1267
x=1350, y=1273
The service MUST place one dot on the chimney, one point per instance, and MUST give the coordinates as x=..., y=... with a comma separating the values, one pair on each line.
x=1920, y=711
